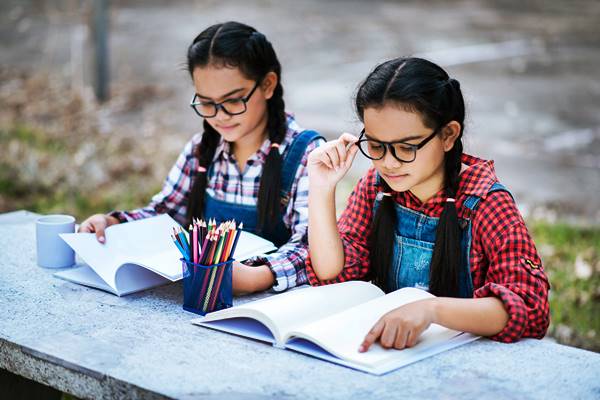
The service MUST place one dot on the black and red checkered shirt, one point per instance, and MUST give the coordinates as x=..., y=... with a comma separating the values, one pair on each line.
x=504, y=261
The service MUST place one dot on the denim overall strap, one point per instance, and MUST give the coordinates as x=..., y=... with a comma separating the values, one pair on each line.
x=414, y=242
x=294, y=154
x=471, y=203
x=277, y=232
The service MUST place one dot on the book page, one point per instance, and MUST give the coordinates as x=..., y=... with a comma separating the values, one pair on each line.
x=250, y=245
x=284, y=312
x=341, y=334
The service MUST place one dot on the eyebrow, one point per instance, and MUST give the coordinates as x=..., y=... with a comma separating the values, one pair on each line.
x=222, y=97
x=406, y=139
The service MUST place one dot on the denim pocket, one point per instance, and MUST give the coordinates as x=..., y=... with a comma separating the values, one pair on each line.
x=412, y=260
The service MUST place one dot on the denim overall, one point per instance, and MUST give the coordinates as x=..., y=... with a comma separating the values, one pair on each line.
x=413, y=247
x=275, y=231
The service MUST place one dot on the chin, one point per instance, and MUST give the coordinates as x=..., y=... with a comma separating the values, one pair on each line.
x=401, y=184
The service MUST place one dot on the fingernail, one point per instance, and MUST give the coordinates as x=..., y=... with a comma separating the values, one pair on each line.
x=101, y=239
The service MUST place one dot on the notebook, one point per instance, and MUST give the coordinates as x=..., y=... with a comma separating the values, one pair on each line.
x=139, y=255
x=330, y=322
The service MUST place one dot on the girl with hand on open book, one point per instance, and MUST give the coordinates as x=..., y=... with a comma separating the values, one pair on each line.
x=426, y=215
x=248, y=164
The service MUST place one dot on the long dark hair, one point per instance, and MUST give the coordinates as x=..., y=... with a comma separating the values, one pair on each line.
x=419, y=86
x=233, y=44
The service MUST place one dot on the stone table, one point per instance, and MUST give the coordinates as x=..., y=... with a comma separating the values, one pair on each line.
x=96, y=345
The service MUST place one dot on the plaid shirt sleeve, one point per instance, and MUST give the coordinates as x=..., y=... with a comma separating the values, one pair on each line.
x=172, y=198
x=354, y=226
x=288, y=263
x=515, y=274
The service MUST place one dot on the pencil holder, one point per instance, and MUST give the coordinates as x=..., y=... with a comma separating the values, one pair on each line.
x=206, y=288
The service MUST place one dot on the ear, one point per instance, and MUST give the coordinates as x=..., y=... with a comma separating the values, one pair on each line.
x=268, y=84
x=450, y=133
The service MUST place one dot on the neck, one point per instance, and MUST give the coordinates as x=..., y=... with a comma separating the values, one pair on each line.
x=427, y=189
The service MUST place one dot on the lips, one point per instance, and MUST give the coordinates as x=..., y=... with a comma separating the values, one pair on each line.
x=395, y=176
x=227, y=127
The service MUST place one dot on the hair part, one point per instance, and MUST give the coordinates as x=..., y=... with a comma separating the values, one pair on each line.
x=419, y=86
x=236, y=45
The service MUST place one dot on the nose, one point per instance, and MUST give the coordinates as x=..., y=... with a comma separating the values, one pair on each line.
x=389, y=161
x=223, y=115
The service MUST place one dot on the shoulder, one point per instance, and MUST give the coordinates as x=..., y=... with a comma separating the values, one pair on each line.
x=311, y=139
x=496, y=214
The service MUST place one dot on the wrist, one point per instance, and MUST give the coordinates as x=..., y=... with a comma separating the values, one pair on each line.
x=433, y=306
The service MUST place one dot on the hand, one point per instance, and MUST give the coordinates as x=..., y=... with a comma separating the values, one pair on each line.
x=401, y=327
x=327, y=164
x=247, y=279
x=98, y=223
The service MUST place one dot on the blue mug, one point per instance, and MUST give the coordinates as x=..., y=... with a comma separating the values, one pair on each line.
x=52, y=251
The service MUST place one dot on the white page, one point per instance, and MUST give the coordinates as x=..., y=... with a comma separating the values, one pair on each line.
x=146, y=241
x=341, y=334
x=284, y=312
x=85, y=276
x=250, y=245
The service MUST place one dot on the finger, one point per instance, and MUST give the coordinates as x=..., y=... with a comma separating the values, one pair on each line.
x=323, y=158
x=86, y=227
x=401, y=338
x=334, y=157
x=388, y=336
x=348, y=138
x=372, y=336
x=342, y=153
x=351, y=155
x=411, y=338
x=100, y=234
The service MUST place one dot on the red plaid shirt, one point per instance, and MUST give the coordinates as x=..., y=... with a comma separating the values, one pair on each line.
x=504, y=261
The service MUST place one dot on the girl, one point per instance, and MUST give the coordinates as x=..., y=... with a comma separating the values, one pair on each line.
x=249, y=164
x=426, y=215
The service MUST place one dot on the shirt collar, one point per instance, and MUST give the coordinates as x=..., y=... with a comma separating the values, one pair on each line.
x=476, y=180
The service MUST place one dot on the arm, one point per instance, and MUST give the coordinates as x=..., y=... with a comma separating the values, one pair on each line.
x=402, y=327
x=327, y=165
x=513, y=301
x=286, y=267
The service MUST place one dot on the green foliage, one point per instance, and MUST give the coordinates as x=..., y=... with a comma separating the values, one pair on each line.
x=571, y=257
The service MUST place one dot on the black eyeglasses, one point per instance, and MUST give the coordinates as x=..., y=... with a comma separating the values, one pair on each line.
x=402, y=151
x=209, y=109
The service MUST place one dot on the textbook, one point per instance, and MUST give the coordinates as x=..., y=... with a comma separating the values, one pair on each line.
x=330, y=323
x=139, y=255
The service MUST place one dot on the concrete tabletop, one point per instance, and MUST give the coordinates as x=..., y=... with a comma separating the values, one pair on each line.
x=96, y=345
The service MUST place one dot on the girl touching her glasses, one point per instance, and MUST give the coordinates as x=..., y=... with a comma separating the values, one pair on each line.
x=425, y=215
x=248, y=164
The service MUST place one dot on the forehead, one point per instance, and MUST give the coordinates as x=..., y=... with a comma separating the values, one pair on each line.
x=391, y=123
x=214, y=82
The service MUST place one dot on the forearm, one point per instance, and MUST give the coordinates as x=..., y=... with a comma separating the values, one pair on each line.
x=324, y=242
x=484, y=316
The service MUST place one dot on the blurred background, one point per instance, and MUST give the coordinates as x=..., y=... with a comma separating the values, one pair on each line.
x=94, y=104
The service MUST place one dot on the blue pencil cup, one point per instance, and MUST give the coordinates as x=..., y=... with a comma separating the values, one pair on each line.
x=206, y=288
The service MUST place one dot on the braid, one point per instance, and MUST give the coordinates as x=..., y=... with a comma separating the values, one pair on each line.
x=446, y=261
x=381, y=240
x=204, y=152
x=269, y=197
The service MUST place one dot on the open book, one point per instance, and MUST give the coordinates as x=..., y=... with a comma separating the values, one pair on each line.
x=139, y=255
x=330, y=322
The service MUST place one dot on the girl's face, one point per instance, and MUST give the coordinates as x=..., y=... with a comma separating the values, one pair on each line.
x=425, y=175
x=218, y=83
